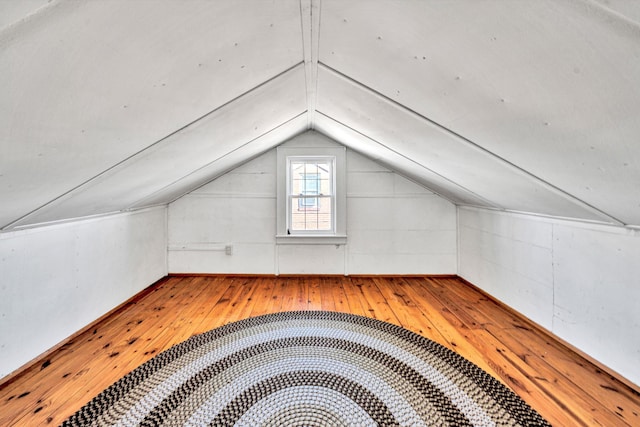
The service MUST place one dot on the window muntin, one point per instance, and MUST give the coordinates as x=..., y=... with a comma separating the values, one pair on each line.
x=311, y=195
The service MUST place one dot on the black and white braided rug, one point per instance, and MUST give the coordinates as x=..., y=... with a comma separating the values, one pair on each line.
x=307, y=368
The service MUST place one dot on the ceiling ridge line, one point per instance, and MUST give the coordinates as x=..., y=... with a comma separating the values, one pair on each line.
x=416, y=163
x=475, y=146
x=315, y=55
x=133, y=205
x=310, y=28
x=122, y=162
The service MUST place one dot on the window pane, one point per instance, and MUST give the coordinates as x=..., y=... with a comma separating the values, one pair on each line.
x=311, y=177
x=311, y=213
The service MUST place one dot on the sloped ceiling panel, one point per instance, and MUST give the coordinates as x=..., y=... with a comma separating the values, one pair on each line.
x=194, y=147
x=550, y=86
x=227, y=162
x=441, y=151
x=87, y=85
x=395, y=160
x=525, y=105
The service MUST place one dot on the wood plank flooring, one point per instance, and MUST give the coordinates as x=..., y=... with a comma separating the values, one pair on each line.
x=563, y=386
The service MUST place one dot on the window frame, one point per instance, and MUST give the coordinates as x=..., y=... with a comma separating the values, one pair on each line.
x=337, y=235
x=331, y=160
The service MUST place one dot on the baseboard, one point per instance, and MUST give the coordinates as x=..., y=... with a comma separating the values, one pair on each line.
x=442, y=276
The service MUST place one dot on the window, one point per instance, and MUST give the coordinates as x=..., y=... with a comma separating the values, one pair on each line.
x=311, y=195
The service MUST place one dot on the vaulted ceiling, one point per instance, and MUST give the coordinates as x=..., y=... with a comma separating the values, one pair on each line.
x=529, y=106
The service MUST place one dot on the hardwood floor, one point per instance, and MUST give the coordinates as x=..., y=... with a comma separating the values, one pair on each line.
x=560, y=384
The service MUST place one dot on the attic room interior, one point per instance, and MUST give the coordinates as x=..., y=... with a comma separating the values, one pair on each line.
x=450, y=159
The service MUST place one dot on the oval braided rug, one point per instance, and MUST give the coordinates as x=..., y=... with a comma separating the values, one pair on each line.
x=307, y=368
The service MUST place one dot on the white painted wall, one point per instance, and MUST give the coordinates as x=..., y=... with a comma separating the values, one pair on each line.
x=56, y=279
x=393, y=225
x=578, y=280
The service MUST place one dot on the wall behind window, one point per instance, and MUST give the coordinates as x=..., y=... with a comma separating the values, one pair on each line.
x=394, y=226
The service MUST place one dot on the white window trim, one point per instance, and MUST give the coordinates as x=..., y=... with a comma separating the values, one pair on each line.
x=338, y=235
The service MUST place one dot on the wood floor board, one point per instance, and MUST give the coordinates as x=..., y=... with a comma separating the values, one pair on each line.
x=433, y=310
x=314, y=301
x=340, y=301
x=327, y=297
x=417, y=318
x=378, y=306
x=299, y=296
x=563, y=386
x=352, y=293
x=263, y=298
x=409, y=315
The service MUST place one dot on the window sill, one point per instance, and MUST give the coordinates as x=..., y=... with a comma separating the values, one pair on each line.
x=315, y=239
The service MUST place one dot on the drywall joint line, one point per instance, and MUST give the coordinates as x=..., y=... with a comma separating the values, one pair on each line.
x=133, y=206
x=166, y=239
x=553, y=279
x=412, y=161
x=345, y=248
x=122, y=162
x=477, y=147
x=458, y=239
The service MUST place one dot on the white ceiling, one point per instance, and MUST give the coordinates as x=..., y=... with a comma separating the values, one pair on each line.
x=530, y=106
